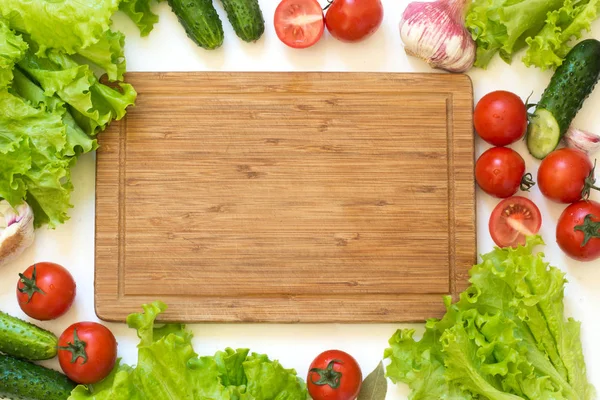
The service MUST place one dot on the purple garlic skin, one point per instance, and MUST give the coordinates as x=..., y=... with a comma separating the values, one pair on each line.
x=582, y=140
x=18, y=231
x=435, y=33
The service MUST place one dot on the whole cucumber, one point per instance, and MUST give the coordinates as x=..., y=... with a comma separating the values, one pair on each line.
x=22, y=380
x=246, y=18
x=200, y=21
x=24, y=340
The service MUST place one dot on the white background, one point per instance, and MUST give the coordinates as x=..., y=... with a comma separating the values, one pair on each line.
x=168, y=49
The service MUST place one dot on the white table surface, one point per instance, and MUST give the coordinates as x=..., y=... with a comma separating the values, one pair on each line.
x=168, y=49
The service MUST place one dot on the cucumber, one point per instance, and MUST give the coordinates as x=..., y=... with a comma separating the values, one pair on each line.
x=22, y=380
x=246, y=18
x=24, y=340
x=200, y=21
x=570, y=85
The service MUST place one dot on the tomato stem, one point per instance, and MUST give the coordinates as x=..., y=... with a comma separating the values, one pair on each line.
x=29, y=285
x=589, y=228
x=589, y=184
x=328, y=376
x=77, y=348
x=527, y=182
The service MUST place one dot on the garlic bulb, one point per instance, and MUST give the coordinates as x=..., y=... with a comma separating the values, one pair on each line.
x=16, y=230
x=582, y=140
x=435, y=33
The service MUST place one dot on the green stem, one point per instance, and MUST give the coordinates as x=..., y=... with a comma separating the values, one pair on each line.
x=589, y=228
x=30, y=286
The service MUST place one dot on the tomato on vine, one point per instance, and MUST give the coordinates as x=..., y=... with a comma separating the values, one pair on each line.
x=334, y=375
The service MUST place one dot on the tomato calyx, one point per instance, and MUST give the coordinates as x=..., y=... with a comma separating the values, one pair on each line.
x=590, y=183
x=328, y=376
x=30, y=286
x=77, y=348
x=527, y=182
x=589, y=228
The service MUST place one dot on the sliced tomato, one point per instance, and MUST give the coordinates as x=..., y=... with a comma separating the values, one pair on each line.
x=513, y=220
x=299, y=23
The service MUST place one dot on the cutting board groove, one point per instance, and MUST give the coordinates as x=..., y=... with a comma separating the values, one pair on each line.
x=287, y=197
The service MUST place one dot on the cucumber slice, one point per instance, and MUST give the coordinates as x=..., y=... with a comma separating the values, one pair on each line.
x=543, y=134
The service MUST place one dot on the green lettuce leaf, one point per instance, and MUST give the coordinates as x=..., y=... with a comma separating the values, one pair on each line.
x=552, y=44
x=505, y=338
x=168, y=368
x=66, y=25
x=109, y=54
x=12, y=49
x=140, y=13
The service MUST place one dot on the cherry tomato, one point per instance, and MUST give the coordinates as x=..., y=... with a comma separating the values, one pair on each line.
x=353, y=20
x=299, y=23
x=334, y=375
x=513, y=220
x=500, y=118
x=578, y=230
x=566, y=175
x=87, y=352
x=500, y=172
x=45, y=291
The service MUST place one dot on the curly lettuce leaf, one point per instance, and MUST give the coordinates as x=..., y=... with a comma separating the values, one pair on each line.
x=12, y=49
x=66, y=25
x=168, y=367
x=109, y=54
x=140, y=13
x=551, y=45
x=506, y=338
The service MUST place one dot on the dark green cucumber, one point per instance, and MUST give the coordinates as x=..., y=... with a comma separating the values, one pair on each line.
x=22, y=380
x=200, y=21
x=246, y=18
x=570, y=85
x=24, y=340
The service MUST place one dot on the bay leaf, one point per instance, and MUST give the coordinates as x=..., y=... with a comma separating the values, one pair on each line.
x=374, y=387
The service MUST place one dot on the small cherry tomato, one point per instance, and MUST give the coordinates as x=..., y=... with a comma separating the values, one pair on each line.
x=500, y=118
x=513, y=220
x=87, y=352
x=353, y=20
x=566, y=175
x=578, y=230
x=334, y=375
x=299, y=23
x=500, y=172
x=45, y=291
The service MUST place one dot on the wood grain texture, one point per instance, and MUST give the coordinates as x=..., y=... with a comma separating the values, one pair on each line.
x=287, y=197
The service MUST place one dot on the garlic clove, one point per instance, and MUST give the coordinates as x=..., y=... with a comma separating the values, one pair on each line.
x=582, y=140
x=16, y=230
x=435, y=33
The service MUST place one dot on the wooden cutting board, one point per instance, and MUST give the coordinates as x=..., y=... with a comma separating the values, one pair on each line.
x=287, y=197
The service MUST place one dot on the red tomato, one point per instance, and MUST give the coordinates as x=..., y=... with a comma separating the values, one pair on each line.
x=578, y=230
x=299, y=23
x=45, y=291
x=513, y=220
x=566, y=175
x=87, y=352
x=500, y=118
x=500, y=171
x=334, y=375
x=353, y=20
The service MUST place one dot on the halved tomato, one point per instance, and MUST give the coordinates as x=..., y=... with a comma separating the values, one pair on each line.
x=513, y=220
x=299, y=23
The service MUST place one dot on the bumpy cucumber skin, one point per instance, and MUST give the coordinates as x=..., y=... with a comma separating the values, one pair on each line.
x=200, y=21
x=246, y=18
x=24, y=340
x=572, y=83
x=21, y=380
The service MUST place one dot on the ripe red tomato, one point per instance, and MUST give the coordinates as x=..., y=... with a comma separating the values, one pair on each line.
x=353, y=20
x=500, y=118
x=299, y=23
x=87, y=352
x=45, y=291
x=578, y=230
x=566, y=175
x=334, y=375
x=513, y=220
x=500, y=171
